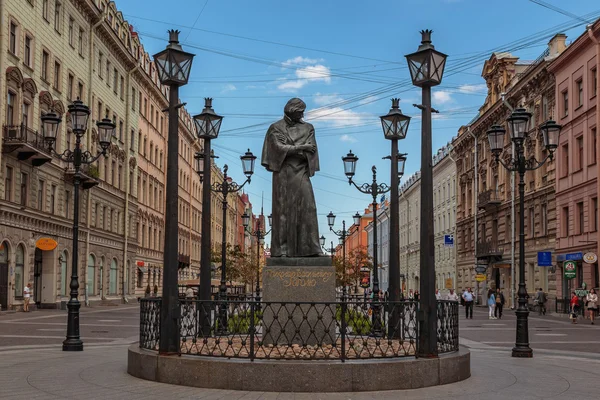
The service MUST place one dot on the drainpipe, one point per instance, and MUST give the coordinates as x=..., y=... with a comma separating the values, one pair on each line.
x=475, y=192
x=2, y=68
x=595, y=40
x=513, y=290
x=126, y=272
x=88, y=144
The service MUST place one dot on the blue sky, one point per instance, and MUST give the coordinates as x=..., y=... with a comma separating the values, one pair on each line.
x=345, y=59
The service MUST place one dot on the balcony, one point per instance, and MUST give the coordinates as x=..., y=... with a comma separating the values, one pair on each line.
x=26, y=143
x=88, y=175
x=489, y=198
x=488, y=248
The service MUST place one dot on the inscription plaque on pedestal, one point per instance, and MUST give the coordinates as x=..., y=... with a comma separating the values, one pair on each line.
x=293, y=281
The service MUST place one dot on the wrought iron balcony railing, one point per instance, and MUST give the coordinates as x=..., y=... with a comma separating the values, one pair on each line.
x=490, y=197
x=489, y=248
x=26, y=143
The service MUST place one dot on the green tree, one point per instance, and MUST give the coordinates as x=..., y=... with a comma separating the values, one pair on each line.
x=355, y=259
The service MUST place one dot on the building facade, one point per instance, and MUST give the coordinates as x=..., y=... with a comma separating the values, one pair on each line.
x=51, y=53
x=410, y=226
x=487, y=196
x=576, y=72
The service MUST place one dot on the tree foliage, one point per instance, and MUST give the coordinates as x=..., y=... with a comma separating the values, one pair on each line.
x=355, y=259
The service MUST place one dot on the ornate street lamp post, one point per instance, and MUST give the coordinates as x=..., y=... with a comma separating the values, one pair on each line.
x=343, y=235
x=519, y=126
x=208, y=125
x=225, y=188
x=79, y=114
x=426, y=69
x=331, y=249
x=259, y=234
x=374, y=189
x=173, y=67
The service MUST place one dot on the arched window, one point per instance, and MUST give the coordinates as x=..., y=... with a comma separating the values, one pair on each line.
x=64, y=286
x=112, y=278
x=19, y=271
x=91, y=275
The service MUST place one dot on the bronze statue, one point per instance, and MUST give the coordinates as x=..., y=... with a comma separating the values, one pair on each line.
x=290, y=153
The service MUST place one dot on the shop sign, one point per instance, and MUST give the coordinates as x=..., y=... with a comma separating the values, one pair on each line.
x=570, y=269
x=365, y=277
x=448, y=283
x=590, y=258
x=480, y=277
x=46, y=244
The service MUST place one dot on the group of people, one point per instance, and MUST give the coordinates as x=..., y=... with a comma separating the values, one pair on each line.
x=495, y=304
x=591, y=302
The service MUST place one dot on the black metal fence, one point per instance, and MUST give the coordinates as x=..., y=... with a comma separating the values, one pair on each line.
x=302, y=330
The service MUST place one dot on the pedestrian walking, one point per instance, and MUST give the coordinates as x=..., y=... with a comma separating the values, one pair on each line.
x=416, y=295
x=500, y=300
x=574, y=305
x=592, y=304
x=491, y=303
x=26, y=297
x=452, y=296
x=468, y=298
x=540, y=299
x=411, y=295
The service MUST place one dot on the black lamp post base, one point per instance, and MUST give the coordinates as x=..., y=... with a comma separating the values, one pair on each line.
x=522, y=352
x=73, y=345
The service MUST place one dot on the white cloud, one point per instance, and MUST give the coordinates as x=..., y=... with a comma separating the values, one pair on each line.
x=308, y=70
x=300, y=60
x=348, y=138
x=228, y=88
x=442, y=97
x=324, y=99
x=480, y=88
x=292, y=86
x=337, y=116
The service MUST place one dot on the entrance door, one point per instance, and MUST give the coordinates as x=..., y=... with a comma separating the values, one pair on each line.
x=37, y=277
x=3, y=286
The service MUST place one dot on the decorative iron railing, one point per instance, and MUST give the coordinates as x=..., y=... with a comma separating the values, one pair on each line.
x=302, y=331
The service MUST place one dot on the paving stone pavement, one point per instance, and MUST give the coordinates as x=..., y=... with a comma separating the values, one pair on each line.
x=99, y=372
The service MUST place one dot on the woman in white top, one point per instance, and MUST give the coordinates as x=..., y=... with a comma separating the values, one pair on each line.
x=592, y=304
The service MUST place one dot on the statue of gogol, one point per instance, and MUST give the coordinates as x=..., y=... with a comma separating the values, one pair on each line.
x=290, y=153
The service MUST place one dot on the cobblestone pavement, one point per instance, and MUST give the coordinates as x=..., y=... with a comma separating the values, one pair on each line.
x=99, y=372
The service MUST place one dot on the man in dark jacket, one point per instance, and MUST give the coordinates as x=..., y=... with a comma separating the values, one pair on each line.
x=499, y=304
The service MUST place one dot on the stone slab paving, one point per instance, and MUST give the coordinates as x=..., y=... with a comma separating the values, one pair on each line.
x=100, y=373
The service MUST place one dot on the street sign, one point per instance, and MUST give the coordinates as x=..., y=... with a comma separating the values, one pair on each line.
x=570, y=269
x=544, y=259
x=480, y=277
x=449, y=240
x=590, y=258
x=574, y=256
x=480, y=269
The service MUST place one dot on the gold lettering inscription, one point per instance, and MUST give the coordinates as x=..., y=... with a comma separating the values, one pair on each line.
x=301, y=278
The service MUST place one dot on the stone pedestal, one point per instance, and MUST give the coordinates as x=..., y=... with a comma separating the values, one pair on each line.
x=289, y=281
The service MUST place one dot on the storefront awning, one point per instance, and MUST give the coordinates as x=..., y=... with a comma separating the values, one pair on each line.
x=143, y=269
x=501, y=264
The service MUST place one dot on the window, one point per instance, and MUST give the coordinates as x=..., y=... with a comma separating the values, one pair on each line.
x=40, y=195
x=119, y=177
x=579, y=88
x=108, y=72
x=565, y=160
x=564, y=222
x=8, y=184
x=579, y=142
x=45, y=58
x=80, y=42
x=132, y=141
x=99, y=110
x=544, y=108
x=57, y=10
x=151, y=114
x=12, y=41
x=80, y=90
x=71, y=34
x=593, y=147
x=122, y=88
x=27, y=55
x=10, y=108
x=45, y=9
x=594, y=82
x=115, y=80
x=544, y=212
x=23, y=194
x=145, y=107
x=580, y=217
x=112, y=173
x=67, y=203
x=531, y=222
x=595, y=208
x=19, y=272
x=57, y=75
x=565, y=103
x=53, y=199
x=100, y=62
x=70, y=81
x=133, y=99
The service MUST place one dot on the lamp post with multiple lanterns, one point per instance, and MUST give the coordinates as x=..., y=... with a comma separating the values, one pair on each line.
x=259, y=234
x=342, y=235
x=519, y=126
x=173, y=66
x=79, y=114
x=426, y=67
x=226, y=187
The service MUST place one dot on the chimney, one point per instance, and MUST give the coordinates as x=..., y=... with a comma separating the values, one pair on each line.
x=557, y=44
